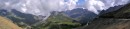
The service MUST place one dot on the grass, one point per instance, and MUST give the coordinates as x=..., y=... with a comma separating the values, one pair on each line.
x=58, y=22
x=7, y=24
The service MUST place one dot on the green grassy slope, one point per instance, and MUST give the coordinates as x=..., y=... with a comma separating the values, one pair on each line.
x=58, y=22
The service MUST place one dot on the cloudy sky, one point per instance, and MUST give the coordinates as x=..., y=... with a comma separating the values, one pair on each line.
x=44, y=7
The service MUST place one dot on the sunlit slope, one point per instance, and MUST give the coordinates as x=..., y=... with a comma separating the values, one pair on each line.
x=58, y=21
x=7, y=24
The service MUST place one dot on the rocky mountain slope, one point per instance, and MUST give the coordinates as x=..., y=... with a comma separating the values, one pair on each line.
x=71, y=19
x=119, y=19
x=84, y=16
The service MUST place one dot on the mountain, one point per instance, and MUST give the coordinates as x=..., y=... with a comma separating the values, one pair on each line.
x=7, y=24
x=119, y=19
x=81, y=15
x=58, y=21
x=21, y=19
x=123, y=12
x=113, y=18
x=84, y=16
x=111, y=9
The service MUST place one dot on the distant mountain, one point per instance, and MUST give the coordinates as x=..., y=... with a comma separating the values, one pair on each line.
x=27, y=18
x=65, y=20
x=57, y=20
x=4, y=12
x=82, y=15
x=111, y=9
x=85, y=16
x=21, y=19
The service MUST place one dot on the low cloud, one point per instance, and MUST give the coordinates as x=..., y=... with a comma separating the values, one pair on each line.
x=38, y=7
x=99, y=5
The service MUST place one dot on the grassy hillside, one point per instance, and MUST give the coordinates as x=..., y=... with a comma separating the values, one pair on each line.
x=58, y=22
x=7, y=24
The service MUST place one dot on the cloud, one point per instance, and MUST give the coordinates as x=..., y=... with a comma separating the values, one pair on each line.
x=99, y=5
x=38, y=7
x=45, y=7
x=71, y=4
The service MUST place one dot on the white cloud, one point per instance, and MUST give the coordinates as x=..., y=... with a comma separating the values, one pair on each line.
x=38, y=7
x=99, y=5
x=45, y=7
x=71, y=4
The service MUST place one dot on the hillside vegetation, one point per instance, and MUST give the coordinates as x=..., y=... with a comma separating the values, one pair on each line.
x=58, y=21
x=7, y=24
